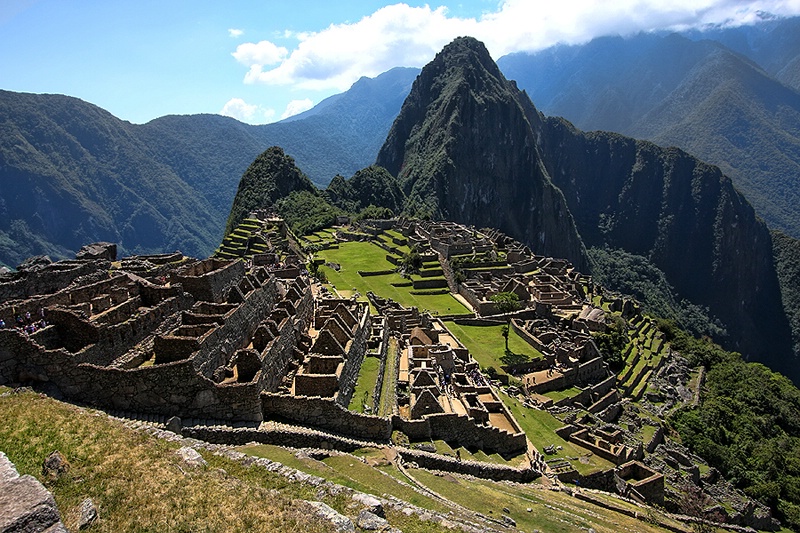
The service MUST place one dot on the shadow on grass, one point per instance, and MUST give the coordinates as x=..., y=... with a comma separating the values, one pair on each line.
x=511, y=358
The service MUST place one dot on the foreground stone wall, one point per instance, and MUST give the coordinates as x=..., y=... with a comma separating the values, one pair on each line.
x=327, y=414
x=169, y=389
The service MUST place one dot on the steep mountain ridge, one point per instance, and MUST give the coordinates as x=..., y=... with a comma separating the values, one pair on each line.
x=463, y=148
x=686, y=217
x=728, y=107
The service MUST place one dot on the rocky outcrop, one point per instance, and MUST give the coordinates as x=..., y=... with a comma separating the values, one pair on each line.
x=25, y=505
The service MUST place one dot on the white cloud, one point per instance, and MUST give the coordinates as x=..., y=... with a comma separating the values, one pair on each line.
x=250, y=113
x=259, y=54
x=233, y=32
x=295, y=107
x=401, y=35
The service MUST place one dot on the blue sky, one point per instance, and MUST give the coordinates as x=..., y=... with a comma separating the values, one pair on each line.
x=262, y=61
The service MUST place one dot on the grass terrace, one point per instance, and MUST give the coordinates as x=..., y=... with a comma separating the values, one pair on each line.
x=558, y=395
x=348, y=471
x=540, y=427
x=366, y=256
x=363, y=396
x=487, y=345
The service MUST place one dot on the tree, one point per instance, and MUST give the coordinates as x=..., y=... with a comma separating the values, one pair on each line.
x=412, y=261
x=504, y=333
x=506, y=302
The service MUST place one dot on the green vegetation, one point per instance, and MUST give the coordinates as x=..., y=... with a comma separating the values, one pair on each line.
x=747, y=425
x=540, y=427
x=346, y=471
x=611, y=343
x=306, y=212
x=363, y=396
x=271, y=177
x=365, y=256
x=786, y=255
x=637, y=276
x=485, y=345
x=368, y=190
x=554, y=512
x=506, y=302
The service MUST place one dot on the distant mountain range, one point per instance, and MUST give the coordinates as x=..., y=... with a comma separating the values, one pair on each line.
x=729, y=96
x=73, y=173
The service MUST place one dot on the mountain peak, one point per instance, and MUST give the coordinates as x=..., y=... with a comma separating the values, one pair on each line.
x=464, y=143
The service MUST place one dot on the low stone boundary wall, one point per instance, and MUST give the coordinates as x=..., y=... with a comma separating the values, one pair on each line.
x=327, y=414
x=277, y=437
x=432, y=461
x=367, y=273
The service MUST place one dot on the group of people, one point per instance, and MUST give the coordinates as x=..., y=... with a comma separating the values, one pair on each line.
x=28, y=323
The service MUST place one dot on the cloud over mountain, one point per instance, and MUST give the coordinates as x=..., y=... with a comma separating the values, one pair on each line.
x=404, y=35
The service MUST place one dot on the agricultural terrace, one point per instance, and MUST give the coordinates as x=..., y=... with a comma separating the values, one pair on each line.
x=368, y=257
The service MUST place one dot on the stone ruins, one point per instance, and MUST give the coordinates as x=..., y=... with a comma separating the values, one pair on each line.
x=248, y=336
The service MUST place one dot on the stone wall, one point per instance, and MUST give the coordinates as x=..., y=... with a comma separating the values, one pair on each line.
x=52, y=278
x=463, y=430
x=415, y=430
x=646, y=482
x=610, y=398
x=219, y=345
x=481, y=470
x=210, y=280
x=327, y=414
x=169, y=389
x=383, y=354
x=277, y=354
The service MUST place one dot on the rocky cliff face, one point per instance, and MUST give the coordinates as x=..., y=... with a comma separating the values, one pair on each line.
x=464, y=148
x=683, y=215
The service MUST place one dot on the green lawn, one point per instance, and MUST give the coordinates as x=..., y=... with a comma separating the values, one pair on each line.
x=540, y=428
x=366, y=256
x=346, y=471
x=365, y=385
x=389, y=388
x=557, y=395
x=531, y=507
x=487, y=345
